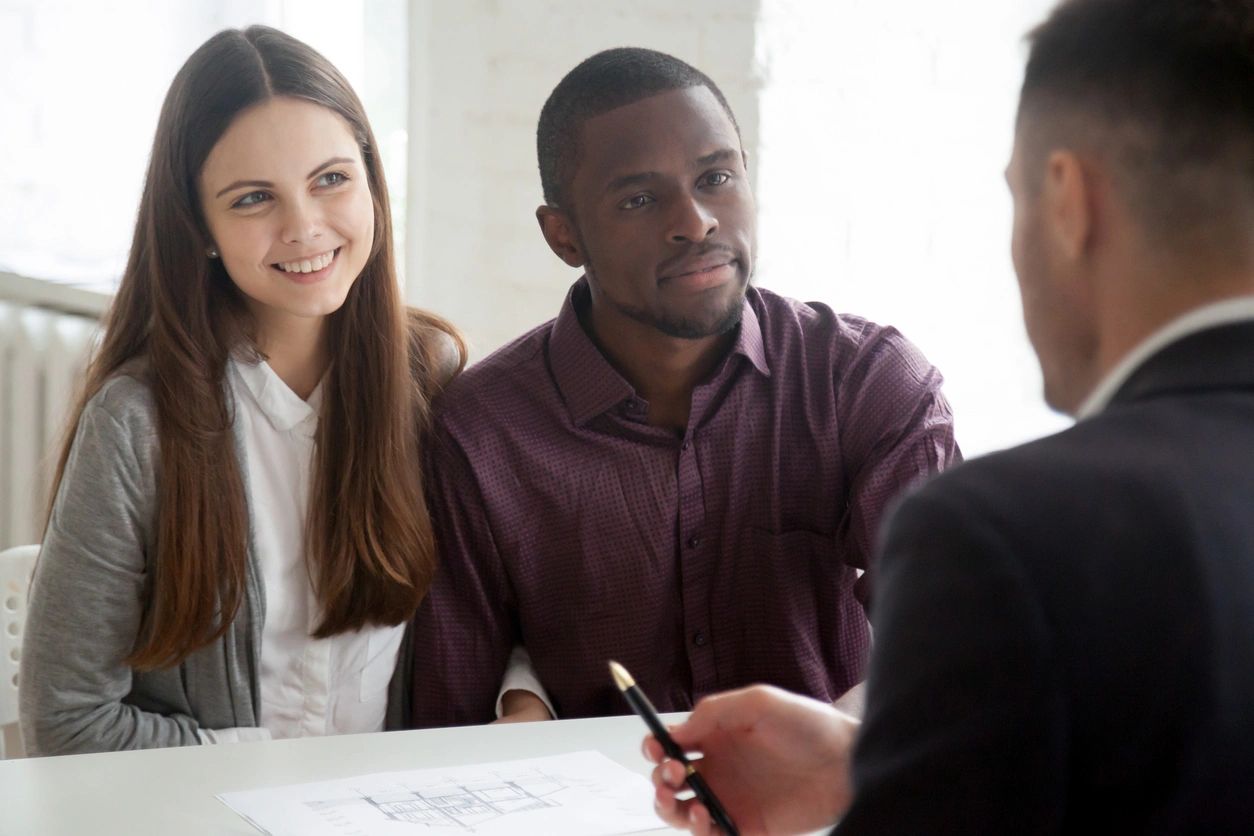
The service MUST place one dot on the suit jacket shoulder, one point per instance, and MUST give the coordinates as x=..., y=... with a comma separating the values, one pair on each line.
x=1064, y=625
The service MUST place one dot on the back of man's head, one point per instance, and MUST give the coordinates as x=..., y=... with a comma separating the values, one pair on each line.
x=604, y=82
x=1162, y=93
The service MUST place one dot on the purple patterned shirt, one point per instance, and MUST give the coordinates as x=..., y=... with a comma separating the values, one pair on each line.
x=717, y=559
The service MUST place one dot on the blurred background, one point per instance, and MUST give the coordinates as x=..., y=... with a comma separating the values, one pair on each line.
x=877, y=135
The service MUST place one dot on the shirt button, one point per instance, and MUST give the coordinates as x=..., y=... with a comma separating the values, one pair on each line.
x=694, y=541
x=684, y=446
x=698, y=638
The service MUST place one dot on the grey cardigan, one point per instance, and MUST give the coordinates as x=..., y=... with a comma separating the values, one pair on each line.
x=76, y=692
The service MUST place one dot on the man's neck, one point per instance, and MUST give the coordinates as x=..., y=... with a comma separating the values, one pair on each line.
x=1132, y=320
x=663, y=370
x=1132, y=313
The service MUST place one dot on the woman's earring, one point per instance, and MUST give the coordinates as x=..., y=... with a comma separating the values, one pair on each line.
x=211, y=252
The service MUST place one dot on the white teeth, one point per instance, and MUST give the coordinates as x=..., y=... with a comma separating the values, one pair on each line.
x=308, y=265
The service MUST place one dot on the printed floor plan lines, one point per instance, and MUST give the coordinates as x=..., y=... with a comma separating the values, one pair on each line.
x=576, y=793
x=465, y=805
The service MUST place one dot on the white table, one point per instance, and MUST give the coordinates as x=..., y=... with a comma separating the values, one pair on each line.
x=171, y=791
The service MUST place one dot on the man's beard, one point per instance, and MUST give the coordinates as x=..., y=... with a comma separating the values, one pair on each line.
x=679, y=326
x=688, y=328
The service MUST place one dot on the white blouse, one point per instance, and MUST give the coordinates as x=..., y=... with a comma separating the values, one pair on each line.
x=337, y=685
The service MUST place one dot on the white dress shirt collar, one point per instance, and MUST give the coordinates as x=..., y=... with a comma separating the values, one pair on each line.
x=282, y=407
x=1229, y=311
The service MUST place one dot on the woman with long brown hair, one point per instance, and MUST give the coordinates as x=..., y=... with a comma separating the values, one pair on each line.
x=239, y=533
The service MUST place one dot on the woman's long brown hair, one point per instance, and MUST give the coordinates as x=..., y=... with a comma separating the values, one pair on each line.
x=370, y=548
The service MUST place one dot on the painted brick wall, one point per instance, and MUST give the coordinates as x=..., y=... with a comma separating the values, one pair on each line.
x=481, y=70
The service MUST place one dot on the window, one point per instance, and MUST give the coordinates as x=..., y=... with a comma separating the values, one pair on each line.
x=885, y=129
x=83, y=83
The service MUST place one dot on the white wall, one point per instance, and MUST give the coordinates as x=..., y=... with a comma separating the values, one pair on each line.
x=886, y=128
x=480, y=72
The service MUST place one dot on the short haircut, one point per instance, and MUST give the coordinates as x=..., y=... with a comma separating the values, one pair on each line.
x=606, y=81
x=1163, y=92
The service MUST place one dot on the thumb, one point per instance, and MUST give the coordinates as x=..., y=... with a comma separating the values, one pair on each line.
x=715, y=714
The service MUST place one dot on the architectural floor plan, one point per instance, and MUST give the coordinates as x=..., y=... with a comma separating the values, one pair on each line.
x=583, y=792
x=463, y=805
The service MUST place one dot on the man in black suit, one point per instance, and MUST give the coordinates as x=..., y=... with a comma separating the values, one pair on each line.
x=1064, y=632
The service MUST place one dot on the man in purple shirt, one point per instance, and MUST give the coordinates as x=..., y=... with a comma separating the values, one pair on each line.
x=681, y=472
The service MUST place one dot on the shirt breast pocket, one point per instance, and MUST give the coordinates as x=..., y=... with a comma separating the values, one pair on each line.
x=381, y=649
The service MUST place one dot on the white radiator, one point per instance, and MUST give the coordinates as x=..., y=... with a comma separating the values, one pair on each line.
x=42, y=355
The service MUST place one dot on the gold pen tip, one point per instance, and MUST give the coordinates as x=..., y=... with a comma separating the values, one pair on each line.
x=621, y=677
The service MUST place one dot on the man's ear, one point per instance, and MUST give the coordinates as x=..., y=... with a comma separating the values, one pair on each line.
x=1069, y=200
x=559, y=232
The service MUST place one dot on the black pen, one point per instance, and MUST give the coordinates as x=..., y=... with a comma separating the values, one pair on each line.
x=640, y=704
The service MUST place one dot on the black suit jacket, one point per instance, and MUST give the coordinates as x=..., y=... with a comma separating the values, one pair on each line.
x=1064, y=632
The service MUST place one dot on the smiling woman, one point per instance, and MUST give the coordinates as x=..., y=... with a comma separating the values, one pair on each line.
x=287, y=205
x=241, y=502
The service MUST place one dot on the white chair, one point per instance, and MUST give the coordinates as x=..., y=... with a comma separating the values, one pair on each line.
x=16, y=566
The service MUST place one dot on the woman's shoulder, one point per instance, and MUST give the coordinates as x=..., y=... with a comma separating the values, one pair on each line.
x=437, y=344
x=126, y=397
x=115, y=445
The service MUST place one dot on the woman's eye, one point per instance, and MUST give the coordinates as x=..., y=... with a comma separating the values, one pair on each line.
x=636, y=201
x=331, y=178
x=717, y=178
x=250, y=199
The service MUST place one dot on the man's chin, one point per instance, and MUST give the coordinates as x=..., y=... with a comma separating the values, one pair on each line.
x=701, y=327
x=711, y=317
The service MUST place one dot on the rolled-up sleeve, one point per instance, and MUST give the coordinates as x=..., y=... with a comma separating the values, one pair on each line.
x=896, y=430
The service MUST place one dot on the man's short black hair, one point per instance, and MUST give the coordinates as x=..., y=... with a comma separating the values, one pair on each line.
x=606, y=81
x=1164, y=89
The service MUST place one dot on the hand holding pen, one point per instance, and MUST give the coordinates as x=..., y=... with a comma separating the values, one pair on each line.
x=691, y=778
x=779, y=763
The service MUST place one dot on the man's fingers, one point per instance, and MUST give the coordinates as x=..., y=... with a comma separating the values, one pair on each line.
x=653, y=752
x=674, y=774
x=686, y=815
x=699, y=819
x=668, y=778
x=670, y=809
x=669, y=775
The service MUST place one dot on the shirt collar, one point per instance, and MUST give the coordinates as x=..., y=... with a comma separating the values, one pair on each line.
x=591, y=386
x=1198, y=319
x=282, y=407
x=749, y=341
